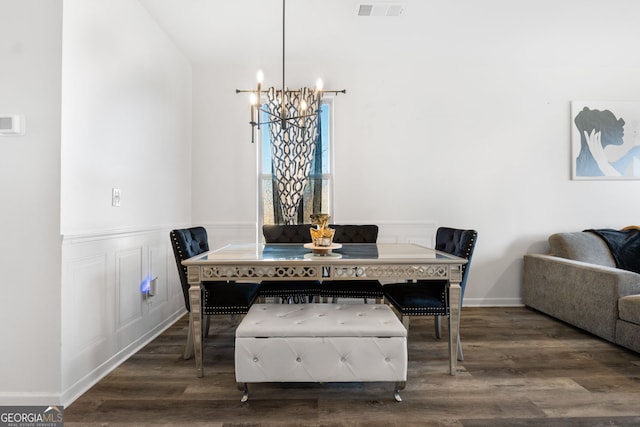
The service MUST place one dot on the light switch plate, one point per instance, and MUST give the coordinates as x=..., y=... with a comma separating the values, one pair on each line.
x=115, y=197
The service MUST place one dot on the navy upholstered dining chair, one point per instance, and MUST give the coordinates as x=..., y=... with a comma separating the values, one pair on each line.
x=431, y=299
x=281, y=233
x=307, y=290
x=296, y=291
x=218, y=297
x=365, y=289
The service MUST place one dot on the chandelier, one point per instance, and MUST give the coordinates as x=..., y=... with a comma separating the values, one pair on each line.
x=287, y=107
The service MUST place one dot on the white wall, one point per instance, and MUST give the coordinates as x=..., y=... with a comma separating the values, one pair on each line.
x=126, y=123
x=466, y=126
x=107, y=100
x=30, y=49
x=126, y=120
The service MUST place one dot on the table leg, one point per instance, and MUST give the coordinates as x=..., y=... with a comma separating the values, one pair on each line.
x=196, y=325
x=454, y=325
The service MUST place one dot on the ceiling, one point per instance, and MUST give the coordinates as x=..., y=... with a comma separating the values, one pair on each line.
x=242, y=31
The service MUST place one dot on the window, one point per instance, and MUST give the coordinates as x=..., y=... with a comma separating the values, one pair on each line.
x=317, y=191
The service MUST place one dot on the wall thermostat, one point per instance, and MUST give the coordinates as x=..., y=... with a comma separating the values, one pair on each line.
x=11, y=125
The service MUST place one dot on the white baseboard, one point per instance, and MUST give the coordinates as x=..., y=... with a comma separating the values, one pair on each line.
x=69, y=395
x=29, y=399
x=492, y=302
x=76, y=390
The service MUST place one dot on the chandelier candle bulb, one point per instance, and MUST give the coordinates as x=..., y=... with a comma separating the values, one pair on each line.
x=303, y=109
x=283, y=109
x=259, y=78
x=319, y=94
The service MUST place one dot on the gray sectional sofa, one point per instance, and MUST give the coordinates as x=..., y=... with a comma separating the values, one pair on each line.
x=578, y=282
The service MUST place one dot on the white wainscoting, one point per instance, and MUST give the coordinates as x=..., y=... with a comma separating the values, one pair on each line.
x=106, y=317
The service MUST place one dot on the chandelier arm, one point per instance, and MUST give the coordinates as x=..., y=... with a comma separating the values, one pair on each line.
x=336, y=92
x=279, y=120
x=288, y=117
x=269, y=113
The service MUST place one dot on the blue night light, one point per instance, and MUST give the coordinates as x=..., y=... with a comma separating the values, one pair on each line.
x=145, y=286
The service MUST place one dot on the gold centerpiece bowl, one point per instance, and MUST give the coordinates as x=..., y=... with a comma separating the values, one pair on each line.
x=321, y=235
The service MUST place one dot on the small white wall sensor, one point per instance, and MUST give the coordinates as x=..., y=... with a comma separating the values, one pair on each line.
x=12, y=125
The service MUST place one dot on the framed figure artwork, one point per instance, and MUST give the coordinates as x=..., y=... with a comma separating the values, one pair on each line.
x=605, y=140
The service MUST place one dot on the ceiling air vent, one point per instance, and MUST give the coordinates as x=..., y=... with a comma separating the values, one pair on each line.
x=381, y=9
x=365, y=10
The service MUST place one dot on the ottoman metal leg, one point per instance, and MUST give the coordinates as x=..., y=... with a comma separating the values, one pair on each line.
x=244, y=388
x=400, y=385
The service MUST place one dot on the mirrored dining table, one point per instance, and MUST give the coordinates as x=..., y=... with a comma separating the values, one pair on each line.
x=387, y=262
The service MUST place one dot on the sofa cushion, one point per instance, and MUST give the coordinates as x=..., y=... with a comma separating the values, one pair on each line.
x=581, y=246
x=629, y=308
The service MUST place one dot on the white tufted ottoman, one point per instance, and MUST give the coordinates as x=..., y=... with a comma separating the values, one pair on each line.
x=320, y=343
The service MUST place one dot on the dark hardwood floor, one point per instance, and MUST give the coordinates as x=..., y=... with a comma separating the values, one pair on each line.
x=521, y=368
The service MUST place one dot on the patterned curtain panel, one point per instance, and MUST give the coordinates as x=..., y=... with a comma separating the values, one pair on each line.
x=293, y=149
